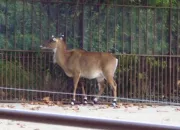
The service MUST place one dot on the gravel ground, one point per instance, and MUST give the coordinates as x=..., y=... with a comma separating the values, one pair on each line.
x=169, y=115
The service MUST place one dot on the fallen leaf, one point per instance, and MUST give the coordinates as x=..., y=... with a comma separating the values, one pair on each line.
x=167, y=119
x=161, y=111
x=59, y=103
x=32, y=103
x=126, y=106
x=51, y=103
x=2, y=105
x=177, y=109
x=10, y=106
x=130, y=105
x=22, y=126
x=35, y=108
x=46, y=99
x=139, y=108
x=23, y=99
x=76, y=108
x=102, y=107
x=126, y=109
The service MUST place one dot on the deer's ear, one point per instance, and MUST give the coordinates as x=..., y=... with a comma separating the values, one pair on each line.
x=54, y=39
x=62, y=37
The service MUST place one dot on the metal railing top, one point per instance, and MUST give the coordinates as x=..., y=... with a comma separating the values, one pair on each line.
x=79, y=121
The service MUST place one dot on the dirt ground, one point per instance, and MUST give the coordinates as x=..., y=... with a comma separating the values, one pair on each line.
x=169, y=115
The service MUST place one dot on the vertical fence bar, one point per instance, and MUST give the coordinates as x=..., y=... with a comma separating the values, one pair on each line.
x=6, y=22
x=90, y=28
x=15, y=24
x=57, y=21
x=6, y=70
x=158, y=78
x=138, y=70
x=82, y=24
x=177, y=59
x=48, y=26
x=162, y=58
x=107, y=44
x=1, y=73
x=23, y=21
x=122, y=56
x=9, y=73
x=32, y=23
x=41, y=54
x=173, y=79
x=146, y=65
x=119, y=77
x=29, y=69
x=154, y=68
x=99, y=47
x=5, y=46
x=126, y=74
x=115, y=24
x=131, y=52
x=18, y=73
x=170, y=37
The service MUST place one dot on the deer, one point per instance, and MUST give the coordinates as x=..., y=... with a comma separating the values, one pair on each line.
x=79, y=63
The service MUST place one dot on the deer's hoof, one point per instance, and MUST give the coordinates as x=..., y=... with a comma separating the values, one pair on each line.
x=114, y=103
x=72, y=102
x=95, y=101
x=85, y=101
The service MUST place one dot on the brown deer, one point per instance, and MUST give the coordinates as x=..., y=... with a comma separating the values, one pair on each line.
x=78, y=63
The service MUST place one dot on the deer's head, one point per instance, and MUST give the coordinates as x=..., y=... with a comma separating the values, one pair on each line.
x=52, y=42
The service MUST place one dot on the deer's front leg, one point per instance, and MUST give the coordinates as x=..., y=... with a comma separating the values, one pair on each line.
x=84, y=94
x=75, y=80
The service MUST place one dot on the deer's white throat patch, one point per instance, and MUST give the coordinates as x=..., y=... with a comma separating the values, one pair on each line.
x=54, y=56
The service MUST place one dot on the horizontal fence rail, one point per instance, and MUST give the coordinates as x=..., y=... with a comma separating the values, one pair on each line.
x=79, y=121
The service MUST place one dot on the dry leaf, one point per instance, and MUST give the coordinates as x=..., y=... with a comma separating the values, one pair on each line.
x=76, y=108
x=46, y=99
x=50, y=103
x=130, y=105
x=23, y=99
x=35, y=108
x=59, y=103
x=102, y=107
x=177, y=109
x=126, y=106
x=22, y=126
x=32, y=103
x=167, y=119
x=161, y=111
x=139, y=108
x=10, y=106
x=2, y=105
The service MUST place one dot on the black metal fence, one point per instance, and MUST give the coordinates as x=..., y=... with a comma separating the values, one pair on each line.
x=144, y=35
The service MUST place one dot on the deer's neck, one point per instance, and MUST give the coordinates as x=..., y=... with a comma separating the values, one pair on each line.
x=60, y=55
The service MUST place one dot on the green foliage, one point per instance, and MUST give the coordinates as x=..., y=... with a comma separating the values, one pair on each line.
x=13, y=74
x=25, y=25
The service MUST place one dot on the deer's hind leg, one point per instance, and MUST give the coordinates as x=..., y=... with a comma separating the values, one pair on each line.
x=101, y=89
x=113, y=85
x=83, y=91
